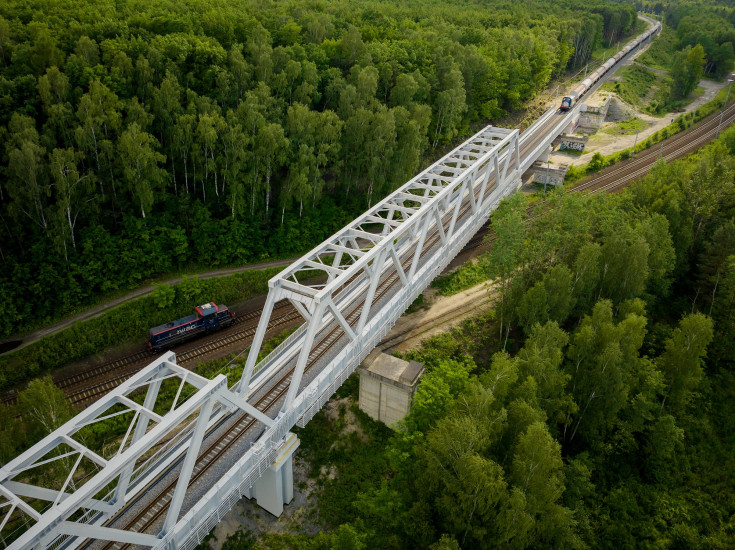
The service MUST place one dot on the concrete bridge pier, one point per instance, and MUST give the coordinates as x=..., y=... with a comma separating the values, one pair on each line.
x=545, y=174
x=544, y=156
x=275, y=487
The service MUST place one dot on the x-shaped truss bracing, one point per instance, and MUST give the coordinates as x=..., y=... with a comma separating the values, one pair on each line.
x=167, y=410
x=390, y=237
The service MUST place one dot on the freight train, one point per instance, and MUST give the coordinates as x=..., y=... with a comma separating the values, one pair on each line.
x=580, y=89
x=208, y=317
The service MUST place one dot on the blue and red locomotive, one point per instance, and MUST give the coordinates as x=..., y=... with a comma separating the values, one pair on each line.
x=208, y=317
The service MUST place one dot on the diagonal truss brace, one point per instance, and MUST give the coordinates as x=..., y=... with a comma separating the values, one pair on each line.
x=389, y=238
x=79, y=511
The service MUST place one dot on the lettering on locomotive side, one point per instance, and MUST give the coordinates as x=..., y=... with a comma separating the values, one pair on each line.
x=185, y=329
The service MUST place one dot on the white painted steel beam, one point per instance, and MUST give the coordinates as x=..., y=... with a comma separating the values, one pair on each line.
x=80, y=511
x=106, y=533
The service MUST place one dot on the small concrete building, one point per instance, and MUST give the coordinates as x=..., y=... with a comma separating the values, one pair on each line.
x=387, y=385
x=592, y=114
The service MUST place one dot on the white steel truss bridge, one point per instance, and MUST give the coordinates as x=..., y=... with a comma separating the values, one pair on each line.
x=350, y=291
x=183, y=449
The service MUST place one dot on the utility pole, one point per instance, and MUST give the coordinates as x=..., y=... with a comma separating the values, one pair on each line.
x=661, y=150
x=634, y=144
x=727, y=96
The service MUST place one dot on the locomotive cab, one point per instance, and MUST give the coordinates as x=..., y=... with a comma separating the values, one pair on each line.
x=207, y=313
x=566, y=103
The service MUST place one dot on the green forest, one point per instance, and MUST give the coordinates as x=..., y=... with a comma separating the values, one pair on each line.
x=708, y=24
x=592, y=408
x=143, y=138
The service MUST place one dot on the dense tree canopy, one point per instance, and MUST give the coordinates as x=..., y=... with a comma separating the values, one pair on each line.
x=142, y=137
x=708, y=23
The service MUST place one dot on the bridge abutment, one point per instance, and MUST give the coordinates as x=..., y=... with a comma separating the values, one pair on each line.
x=275, y=487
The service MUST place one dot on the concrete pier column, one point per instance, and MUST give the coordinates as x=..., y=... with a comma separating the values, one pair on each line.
x=275, y=486
x=545, y=155
x=387, y=386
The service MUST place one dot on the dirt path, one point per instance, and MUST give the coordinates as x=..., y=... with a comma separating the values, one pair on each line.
x=440, y=314
x=137, y=293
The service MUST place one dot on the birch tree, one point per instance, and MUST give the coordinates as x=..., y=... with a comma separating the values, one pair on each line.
x=26, y=185
x=72, y=189
x=140, y=162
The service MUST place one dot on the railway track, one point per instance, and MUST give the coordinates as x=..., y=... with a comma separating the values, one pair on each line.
x=89, y=394
x=622, y=174
x=85, y=387
x=673, y=148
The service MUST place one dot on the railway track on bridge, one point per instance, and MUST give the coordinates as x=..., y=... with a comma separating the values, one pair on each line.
x=146, y=519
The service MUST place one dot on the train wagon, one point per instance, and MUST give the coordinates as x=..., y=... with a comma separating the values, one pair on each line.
x=580, y=89
x=208, y=317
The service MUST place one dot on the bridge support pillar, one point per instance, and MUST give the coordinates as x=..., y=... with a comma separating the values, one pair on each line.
x=545, y=154
x=275, y=487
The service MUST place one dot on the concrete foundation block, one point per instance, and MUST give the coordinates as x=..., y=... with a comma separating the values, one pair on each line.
x=592, y=114
x=549, y=174
x=387, y=385
x=275, y=487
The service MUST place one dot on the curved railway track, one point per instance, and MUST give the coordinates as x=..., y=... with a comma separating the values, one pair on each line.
x=620, y=175
x=673, y=148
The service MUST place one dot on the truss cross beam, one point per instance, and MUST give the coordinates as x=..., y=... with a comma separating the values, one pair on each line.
x=164, y=431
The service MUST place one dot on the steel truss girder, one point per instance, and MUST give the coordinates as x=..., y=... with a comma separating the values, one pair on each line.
x=370, y=326
x=380, y=221
x=79, y=512
x=398, y=227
